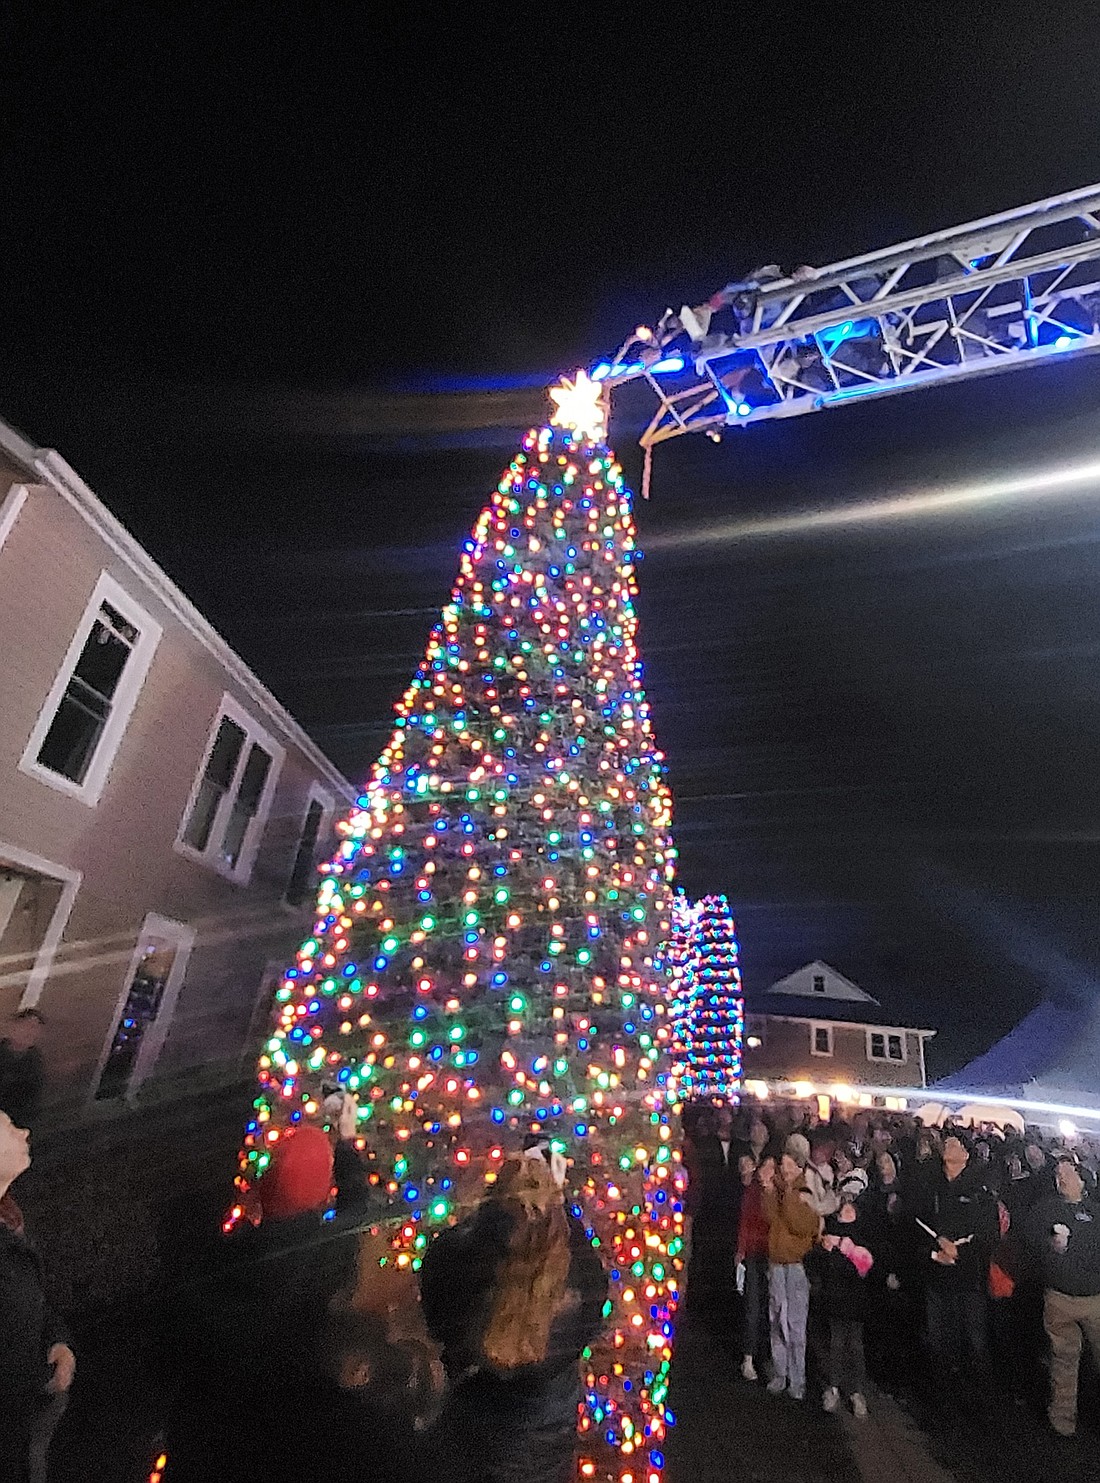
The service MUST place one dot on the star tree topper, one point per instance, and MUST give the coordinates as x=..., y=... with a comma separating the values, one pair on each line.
x=579, y=406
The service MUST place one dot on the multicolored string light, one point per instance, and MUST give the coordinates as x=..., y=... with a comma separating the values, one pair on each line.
x=677, y=951
x=483, y=962
x=707, y=1017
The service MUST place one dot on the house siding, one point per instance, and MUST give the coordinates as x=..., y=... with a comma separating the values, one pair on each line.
x=124, y=848
x=785, y=1054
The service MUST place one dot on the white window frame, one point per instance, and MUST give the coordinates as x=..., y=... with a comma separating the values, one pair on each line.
x=320, y=795
x=106, y=590
x=230, y=709
x=154, y=925
x=69, y=880
x=814, y=1028
x=12, y=882
x=886, y=1059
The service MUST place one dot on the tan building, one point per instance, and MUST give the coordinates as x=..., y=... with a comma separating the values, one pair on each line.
x=161, y=814
x=817, y=1026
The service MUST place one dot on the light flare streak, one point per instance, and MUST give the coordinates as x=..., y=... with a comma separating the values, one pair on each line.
x=955, y=498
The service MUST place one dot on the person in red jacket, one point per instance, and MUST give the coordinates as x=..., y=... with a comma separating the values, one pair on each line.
x=752, y=1254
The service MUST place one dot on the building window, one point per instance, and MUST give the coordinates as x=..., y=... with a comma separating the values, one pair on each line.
x=246, y=803
x=81, y=718
x=153, y=984
x=217, y=779
x=885, y=1045
x=301, y=883
x=756, y=1033
x=81, y=725
x=821, y=1040
x=819, y=983
x=232, y=794
x=36, y=898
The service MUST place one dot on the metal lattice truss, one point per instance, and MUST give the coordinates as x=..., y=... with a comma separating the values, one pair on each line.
x=1008, y=291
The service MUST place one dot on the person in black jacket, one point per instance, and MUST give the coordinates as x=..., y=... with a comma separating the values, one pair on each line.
x=249, y=1328
x=956, y=1223
x=714, y=1203
x=896, y=1285
x=1063, y=1232
x=36, y=1360
x=513, y=1294
x=843, y=1259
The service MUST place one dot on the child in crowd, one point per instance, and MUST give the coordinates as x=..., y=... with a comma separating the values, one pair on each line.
x=843, y=1259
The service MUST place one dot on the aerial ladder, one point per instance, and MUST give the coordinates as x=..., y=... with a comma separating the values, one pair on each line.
x=1010, y=290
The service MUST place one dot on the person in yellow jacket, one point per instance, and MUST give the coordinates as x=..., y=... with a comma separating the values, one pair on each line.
x=793, y=1227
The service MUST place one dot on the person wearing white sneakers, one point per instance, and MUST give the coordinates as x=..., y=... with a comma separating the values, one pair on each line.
x=843, y=1258
x=793, y=1227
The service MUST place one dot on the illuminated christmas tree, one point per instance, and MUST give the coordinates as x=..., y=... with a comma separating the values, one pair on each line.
x=483, y=960
x=708, y=1010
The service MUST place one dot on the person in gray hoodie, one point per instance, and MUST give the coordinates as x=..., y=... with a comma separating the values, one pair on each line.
x=1063, y=1232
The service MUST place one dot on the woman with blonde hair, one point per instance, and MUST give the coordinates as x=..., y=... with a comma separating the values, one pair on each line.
x=513, y=1294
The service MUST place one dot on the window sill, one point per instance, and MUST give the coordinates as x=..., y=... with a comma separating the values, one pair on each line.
x=87, y=793
x=234, y=874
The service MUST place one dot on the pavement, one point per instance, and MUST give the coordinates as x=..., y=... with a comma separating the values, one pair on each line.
x=731, y=1431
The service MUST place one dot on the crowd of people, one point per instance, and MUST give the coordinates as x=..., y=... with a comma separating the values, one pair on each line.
x=973, y=1255
x=858, y=1245
x=293, y=1344
x=470, y=1370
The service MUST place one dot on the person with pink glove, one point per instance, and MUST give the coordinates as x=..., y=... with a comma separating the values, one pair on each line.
x=843, y=1259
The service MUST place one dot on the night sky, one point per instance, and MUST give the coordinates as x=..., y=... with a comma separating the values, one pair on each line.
x=283, y=283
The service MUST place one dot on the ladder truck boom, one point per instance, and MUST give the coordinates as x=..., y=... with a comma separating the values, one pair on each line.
x=1010, y=290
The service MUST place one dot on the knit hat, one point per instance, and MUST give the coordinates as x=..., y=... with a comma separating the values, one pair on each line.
x=299, y=1177
x=853, y=1185
x=798, y=1147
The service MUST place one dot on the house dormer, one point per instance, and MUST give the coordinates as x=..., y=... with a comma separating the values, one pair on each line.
x=818, y=981
x=816, y=1026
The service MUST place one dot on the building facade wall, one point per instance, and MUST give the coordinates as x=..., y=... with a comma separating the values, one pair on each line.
x=786, y=1053
x=120, y=858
